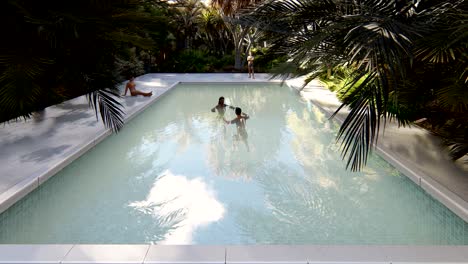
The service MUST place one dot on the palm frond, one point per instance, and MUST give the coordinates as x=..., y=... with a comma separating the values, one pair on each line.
x=20, y=91
x=446, y=32
x=359, y=131
x=111, y=111
x=75, y=48
x=374, y=38
x=454, y=97
x=455, y=135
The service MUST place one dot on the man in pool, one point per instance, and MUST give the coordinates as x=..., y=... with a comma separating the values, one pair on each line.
x=240, y=122
x=221, y=107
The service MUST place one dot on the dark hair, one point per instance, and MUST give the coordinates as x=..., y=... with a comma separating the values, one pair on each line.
x=238, y=111
x=219, y=100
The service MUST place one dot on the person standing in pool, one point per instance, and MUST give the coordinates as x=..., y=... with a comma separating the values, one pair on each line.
x=221, y=107
x=240, y=122
x=133, y=91
x=250, y=66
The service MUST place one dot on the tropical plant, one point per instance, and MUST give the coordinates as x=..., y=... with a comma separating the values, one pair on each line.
x=57, y=50
x=188, y=13
x=394, y=49
x=230, y=11
x=214, y=32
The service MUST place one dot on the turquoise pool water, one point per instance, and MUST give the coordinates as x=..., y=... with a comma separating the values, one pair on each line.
x=175, y=175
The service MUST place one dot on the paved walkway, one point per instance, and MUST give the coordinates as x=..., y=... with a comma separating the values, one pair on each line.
x=32, y=151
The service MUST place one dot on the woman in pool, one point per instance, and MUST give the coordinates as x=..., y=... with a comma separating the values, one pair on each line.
x=221, y=107
x=133, y=91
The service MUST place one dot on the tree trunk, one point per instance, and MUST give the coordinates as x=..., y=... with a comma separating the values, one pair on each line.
x=237, y=58
x=250, y=39
x=238, y=34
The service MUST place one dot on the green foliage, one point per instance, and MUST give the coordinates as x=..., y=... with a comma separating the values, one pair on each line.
x=221, y=64
x=403, y=60
x=129, y=64
x=198, y=61
x=266, y=61
x=337, y=80
x=57, y=50
x=213, y=32
x=191, y=61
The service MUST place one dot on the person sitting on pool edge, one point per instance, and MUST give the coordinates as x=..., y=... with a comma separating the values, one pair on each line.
x=240, y=122
x=221, y=107
x=133, y=91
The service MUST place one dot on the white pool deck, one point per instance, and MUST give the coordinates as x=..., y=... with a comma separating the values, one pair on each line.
x=32, y=151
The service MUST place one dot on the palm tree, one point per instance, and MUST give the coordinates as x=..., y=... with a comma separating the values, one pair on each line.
x=59, y=50
x=213, y=31
x=188, y=13
x=230, y=11
x=389, y=46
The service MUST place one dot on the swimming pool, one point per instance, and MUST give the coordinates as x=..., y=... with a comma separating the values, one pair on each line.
x=175, y=175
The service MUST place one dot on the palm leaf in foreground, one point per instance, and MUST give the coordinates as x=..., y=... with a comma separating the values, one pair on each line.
x=388, y=46
x=104, y=102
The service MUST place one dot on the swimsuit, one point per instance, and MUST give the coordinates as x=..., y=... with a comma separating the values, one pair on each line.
x=250, y=61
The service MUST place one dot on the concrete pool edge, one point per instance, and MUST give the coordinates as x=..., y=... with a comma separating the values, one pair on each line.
x=436, y=190
x=79, y=253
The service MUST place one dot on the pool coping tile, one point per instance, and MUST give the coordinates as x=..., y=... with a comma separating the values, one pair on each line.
x=75, y=153
x=269, y=254
x=275, y=254
x=436, y=190
x=346, y=254
x=33, y=253
x=161, y=254
x=331, y=253
x=453, y=202
x=443, y=254
x=106, y=254
x=17, y=192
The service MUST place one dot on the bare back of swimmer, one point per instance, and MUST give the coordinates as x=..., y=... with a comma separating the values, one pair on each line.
x=240, y=122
